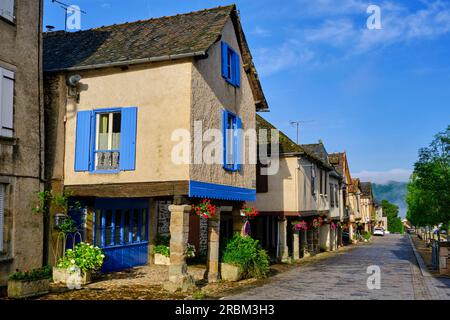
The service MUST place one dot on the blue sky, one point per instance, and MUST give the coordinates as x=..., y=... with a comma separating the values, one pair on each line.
x=380, y=95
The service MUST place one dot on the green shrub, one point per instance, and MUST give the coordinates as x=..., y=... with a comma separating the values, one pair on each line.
x=84, y=256
x=162, y=249
x=366, y=235
x=245, y=252
x=35, y=274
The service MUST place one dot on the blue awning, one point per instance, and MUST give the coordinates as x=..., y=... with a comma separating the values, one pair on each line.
x=199, y=189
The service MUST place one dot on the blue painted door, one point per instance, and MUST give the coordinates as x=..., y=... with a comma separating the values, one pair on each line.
x=121, y=231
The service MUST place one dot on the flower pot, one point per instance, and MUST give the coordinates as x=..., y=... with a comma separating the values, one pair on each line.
x=71, y=276
x=162, y=260
x=230, y=272
x=26, y=289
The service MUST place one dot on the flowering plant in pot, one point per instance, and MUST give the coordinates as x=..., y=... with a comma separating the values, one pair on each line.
x=78, y=264
x=205, y=209
x=248, y=212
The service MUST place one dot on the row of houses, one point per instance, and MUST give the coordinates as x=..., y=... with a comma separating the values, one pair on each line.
x=95, y=114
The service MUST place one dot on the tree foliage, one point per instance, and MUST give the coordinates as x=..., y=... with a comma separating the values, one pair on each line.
x=428, y=196
x=390, y=211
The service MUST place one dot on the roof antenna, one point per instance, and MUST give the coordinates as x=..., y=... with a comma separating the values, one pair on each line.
x=66, y=7
x=297, y=124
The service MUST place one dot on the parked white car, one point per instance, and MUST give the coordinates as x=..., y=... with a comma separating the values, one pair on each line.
x=378, y=232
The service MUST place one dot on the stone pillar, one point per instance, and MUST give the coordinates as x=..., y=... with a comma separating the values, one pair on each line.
x=238, y=223
x=444, y=261
x=283, y=248
x=324, y=237
x=179, y=233
x=152, y=229
x=296, y=246
x=350, y=232
x=213, y=248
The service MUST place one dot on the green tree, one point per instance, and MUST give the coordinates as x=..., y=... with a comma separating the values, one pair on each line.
x=428, y=196
x=390, y=211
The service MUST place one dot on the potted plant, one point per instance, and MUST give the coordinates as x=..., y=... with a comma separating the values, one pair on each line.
x=77, y=265
x=205, y=209
x=243, y=257
x=248, y=213
x=162, y=250
x=29, y=283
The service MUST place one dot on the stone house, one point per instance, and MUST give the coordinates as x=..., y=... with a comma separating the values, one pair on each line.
x=340, y=163
x=354, y=194
x=21, y=136
x=120, y=99
x=300, y=190
x=367, y=206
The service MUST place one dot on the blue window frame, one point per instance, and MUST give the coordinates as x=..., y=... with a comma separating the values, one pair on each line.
x=232, y=141
x=106, y=140
x=231, y=65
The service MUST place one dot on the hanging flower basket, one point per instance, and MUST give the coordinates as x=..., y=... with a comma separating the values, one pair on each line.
x=248, y=213
x=317, y=222
x=205, y=209
x=300, y=225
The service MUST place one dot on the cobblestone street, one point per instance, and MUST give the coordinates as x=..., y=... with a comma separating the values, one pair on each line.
x=344, y=276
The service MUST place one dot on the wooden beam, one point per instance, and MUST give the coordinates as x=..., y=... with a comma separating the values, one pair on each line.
x=131, y=190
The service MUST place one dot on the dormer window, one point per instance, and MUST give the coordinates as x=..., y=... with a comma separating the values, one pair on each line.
x=231, y=65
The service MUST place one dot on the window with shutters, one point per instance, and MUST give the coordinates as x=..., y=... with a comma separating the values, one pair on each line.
x=106, y=140
x=332, y=195
x=232, y=141
x=231, y=65
x=313, y=180
x=2, y=214
x=7, y=10
x=262, y=180
x=6, y=102
x=336, y=195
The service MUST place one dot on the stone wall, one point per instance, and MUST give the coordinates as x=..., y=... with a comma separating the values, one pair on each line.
x=164, y=225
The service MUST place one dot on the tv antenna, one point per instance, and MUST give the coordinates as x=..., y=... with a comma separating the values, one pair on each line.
x=66, y=8
x=297, y=124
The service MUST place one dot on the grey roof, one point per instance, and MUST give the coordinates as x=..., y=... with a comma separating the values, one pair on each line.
x=158, y=39
x=366, y=189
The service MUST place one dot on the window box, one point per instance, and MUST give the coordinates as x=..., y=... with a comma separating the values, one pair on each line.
x=26, y=289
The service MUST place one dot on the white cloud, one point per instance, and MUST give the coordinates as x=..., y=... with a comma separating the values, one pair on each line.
x=382, y=177
x=260, y=32
x=342, y=27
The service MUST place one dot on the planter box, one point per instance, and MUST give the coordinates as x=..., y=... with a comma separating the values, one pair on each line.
x=64, y=276
x=27, y=289
x=230, y=272
x=162, y=260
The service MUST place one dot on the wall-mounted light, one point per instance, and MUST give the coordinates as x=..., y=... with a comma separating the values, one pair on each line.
x=73, y=82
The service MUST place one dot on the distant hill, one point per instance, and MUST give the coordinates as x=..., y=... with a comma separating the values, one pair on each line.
x=394, y=192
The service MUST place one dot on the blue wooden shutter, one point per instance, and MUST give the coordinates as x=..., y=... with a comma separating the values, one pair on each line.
x=224, y=60
x=238, y=145
x=83, y=140
x=237, y=70
x=224, y=134
x=128, y=139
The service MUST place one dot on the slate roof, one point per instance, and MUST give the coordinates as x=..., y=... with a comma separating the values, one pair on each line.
x=366, y=189
x=158, y=39
x=318, y=150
